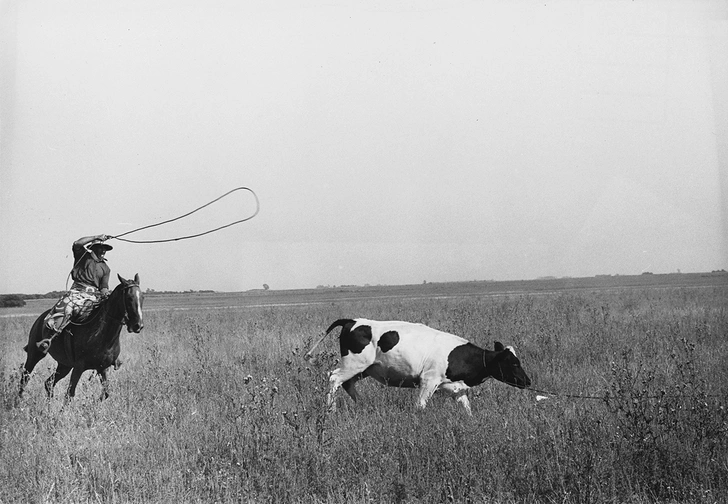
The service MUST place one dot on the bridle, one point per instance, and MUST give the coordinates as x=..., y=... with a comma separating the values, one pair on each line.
x=125, y=319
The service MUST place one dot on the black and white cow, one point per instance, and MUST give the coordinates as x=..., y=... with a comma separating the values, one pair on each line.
x=403, y=354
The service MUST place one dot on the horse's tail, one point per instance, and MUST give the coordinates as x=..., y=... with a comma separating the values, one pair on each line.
x=338, y=323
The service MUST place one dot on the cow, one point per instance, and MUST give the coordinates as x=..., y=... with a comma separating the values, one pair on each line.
x=405, y=354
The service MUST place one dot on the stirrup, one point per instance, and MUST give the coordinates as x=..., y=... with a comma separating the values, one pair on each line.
x=44, y=344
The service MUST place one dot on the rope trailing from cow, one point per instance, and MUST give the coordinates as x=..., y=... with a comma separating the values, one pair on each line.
x=257, y=209
x=607, y=396
x=569, y=396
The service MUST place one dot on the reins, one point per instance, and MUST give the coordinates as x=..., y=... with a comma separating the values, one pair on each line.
x=257, y=209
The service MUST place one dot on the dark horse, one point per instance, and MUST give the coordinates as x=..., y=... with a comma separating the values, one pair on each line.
x=93, y=344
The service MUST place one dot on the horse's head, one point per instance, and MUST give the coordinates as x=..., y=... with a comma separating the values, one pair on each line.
x=133, y=300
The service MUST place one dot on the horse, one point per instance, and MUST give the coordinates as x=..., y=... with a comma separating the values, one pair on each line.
x=91, y=345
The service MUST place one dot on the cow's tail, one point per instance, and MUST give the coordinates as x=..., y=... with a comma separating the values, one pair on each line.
x=338, y=323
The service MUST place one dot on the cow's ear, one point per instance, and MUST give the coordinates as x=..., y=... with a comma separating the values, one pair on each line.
x=498, y=346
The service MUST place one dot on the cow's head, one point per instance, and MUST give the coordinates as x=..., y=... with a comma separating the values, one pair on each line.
x=503, y=365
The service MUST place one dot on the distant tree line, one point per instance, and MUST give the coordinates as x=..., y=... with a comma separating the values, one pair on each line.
x=49, y=295
x=17, y=300
x=11, y=301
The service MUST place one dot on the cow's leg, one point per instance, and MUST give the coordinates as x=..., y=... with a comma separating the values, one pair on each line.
x=342, y=376
x=352, y=365
x=350, y=385
x=104, y=383
x=61, y=371
x=459, y=392
x=75, y=376
x=428, y=385
x=337, y=378
x=463, y=399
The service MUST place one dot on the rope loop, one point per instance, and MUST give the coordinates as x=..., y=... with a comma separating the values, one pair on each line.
x=257, y=209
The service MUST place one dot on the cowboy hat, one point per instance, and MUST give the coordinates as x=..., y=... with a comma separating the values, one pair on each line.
x=99, y=243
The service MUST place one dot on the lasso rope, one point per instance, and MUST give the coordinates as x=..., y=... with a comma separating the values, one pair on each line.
x=118, y=237
x=548, y=394
x=257, y=209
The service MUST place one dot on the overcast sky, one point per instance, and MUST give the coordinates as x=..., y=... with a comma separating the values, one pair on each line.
x=388, y=142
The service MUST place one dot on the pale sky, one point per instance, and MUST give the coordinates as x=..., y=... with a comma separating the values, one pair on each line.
x=388, y=142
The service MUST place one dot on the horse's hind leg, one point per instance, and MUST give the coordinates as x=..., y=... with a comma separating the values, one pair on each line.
x=33, y=355
x=61, y=371
x=32, y=359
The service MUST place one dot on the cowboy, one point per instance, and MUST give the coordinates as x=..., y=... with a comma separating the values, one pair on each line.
x=90, y=287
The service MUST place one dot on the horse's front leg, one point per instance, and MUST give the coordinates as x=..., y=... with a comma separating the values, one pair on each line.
x=61, y=371
x=104, y=382
x=25, y=371
x=75, y=376
x=24, y=377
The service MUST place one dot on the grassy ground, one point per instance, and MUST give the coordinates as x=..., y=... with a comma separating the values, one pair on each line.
x=219, y=406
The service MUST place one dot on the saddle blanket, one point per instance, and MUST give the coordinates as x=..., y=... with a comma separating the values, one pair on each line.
x=75, y=306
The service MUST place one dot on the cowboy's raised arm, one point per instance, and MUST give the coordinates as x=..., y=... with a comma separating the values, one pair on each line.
x=80, y=246
x=82, y=242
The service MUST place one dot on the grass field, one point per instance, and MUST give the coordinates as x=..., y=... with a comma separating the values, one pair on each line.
x=214, y=402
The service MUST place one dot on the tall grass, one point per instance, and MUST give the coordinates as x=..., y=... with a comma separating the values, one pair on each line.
x=219, y=406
